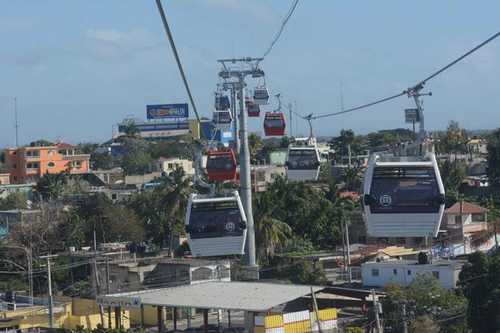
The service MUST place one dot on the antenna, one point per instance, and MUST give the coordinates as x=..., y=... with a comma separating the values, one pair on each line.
x=16, y=124
x=289, y=106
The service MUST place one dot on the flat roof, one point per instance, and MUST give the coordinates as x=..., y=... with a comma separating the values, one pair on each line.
x=224, y=295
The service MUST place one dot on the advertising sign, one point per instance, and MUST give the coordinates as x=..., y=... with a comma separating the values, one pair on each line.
x=162, y=111
x=124, y=302
x=412, y=116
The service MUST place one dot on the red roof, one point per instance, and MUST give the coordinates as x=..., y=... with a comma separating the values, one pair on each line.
x=64, y=145
x=465, y=207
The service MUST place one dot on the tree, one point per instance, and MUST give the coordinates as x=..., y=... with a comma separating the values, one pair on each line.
x=494, y=157
x=270, y=232
x=129, y=129
x=423, y=298
x=453, y=174
x=454, y=140
x=424, y=324
x=480, y=282
x=162, y=210
x=255, y=146
x=137, y=159
x=51, y=186
x=15, y=200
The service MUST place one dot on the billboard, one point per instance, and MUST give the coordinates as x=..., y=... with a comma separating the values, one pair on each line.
x=162, y=111
x=412, y=116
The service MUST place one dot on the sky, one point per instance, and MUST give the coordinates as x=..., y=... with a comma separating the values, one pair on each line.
x=79, y=67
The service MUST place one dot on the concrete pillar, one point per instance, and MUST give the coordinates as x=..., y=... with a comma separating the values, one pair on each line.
x=249, y=321
x=174, y=317
x=228, y=318
x=142, y=315
x=118, y=317
x=159, y=318
x=205, y=320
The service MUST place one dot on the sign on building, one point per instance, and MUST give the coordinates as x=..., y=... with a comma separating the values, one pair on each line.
x=163, y=111
x=124, y=302
x=412, y=116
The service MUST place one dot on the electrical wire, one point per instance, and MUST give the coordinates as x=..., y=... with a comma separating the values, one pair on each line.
x=282, y=28
x=413, y=89
x=177, y=58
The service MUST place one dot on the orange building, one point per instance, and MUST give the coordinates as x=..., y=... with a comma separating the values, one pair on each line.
x=28, y=164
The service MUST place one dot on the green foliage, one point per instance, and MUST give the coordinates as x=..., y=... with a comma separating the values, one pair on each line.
x=494, y=158
x=15, y=200
x=452, y=174
x=101, y=161
x=304, y=208
x=424, y=324
x=423, y=297
x=162, y=211
x=51, y=186
x=480, y=281
x=41, y=143
x=255, y=145
x=168, y=149
x=137, y=159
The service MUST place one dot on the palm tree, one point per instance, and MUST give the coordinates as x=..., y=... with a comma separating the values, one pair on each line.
x=175, y=195
x=270, y=232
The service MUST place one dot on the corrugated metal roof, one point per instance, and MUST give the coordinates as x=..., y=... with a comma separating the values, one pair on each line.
x=246, y=296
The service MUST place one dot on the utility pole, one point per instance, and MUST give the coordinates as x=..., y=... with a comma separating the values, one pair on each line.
x=49, y=280
x=316, y=311
x=249, y=66
x=16, y=125
x=375, y=311
x=346, y=227
x=289, y=107
x=96, y=277
x=405, y=322
x=234, y=112
x=108, y=291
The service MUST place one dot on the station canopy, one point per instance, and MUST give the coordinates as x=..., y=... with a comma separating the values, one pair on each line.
x=223, y=295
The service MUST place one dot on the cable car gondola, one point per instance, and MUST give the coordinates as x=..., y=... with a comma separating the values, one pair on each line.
x=222, y=119
x=253, y=108
x=221, y=102
x=261, y=95
x=303, y=162
x=274, y=124
x=216, y=226
x=403, y=196
x=221, y=165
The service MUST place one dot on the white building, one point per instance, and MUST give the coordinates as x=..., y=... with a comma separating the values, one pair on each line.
x=167, y=165
x=403, y=272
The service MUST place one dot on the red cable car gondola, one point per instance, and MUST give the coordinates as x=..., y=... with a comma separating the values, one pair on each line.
x=253, y=108
x=274, y=124
x=221, y=165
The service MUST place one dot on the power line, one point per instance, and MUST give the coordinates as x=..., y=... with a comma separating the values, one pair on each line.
x=176, y=55
x=283, y=24
x=416, y=87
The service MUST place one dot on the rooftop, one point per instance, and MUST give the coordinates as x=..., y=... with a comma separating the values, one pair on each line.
x=436, y=263
x=464, y=207
x=244, y=296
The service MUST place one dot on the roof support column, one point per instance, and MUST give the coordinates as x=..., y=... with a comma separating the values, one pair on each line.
x=205, y=320
x=174, y=317
x=159, y=317
x=118, y=317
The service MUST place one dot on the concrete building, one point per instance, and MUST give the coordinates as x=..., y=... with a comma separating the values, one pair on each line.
x=6, y=190
x=167, y=165
x=403, y=272
x=463, y=220
x=28, y=164
x=9, y=218
x=4, y=178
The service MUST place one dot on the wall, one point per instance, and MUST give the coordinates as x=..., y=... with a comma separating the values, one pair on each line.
x=296, y=322
x=399, y=273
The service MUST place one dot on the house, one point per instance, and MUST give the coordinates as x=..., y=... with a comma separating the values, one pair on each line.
x=167, y=165
x=477, y=146
x=462, y=220
x=9, y=218
x=4, y=178
x=27, y=164
x=403, y=272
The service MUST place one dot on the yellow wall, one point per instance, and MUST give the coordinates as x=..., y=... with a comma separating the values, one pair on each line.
x=79, y=312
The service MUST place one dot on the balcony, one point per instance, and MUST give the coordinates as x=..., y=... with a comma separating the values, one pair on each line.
x=31, y=171
x=32, y=158
x=76, y=157
x=475, y=227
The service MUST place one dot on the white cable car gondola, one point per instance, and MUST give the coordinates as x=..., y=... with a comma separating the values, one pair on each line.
x=403, y=196
x=222, y=119
x=303, y=161
x=261, y=95
x=216, y=226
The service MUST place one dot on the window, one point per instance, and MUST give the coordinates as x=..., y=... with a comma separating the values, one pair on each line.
x=409, y=272
x=170, y=165
x=51, y=164
x=375, y=272
x=395, y=271
x=15, y=166
x=435, y=274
